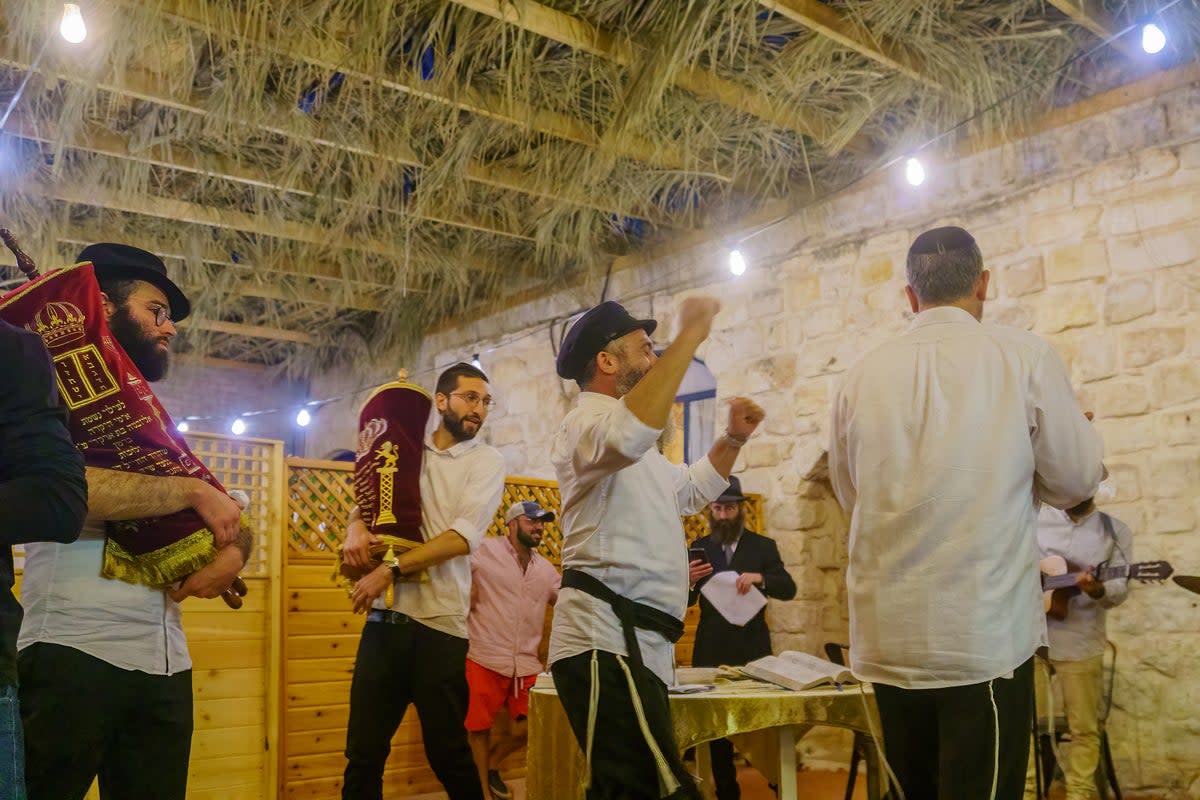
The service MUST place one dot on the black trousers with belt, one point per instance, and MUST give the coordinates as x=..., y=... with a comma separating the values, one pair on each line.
x=84, y=718
x=401, y=662
x=942, y=743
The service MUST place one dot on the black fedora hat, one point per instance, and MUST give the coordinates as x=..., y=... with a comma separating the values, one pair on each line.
x=122, y=261
x=733, y=492
x=591, y=332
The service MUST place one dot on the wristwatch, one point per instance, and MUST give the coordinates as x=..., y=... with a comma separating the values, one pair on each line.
x=394, y=566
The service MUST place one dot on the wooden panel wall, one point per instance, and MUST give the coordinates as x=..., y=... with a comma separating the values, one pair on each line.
x=321, y=634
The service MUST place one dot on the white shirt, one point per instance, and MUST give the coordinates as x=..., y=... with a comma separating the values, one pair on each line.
x=621, y=508
x=942, y=441
x=1085, y=543
x=66, y=602
x=460, y=491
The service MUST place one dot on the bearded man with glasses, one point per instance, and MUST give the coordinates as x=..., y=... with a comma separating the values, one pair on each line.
x=415, y=652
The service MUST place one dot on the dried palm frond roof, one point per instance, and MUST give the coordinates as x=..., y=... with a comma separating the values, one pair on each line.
x=332, y=176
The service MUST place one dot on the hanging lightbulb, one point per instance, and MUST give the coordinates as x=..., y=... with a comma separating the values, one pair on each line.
x=182, y=427
x=72, y=27
x=238, y=427
x=476, y=363
x=303, y=418
x=1153, y=38
x=914, y=172
x=737, y=262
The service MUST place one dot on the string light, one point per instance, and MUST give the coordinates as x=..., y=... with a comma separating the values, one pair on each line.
x=475, y=362
x=72, y=27
x=1153, y=38
x=914, y=171
x=737, y=262
x=238, y=427
x=303, y=418
x=182, y=427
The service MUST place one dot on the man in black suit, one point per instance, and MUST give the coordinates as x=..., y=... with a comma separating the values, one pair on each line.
x=756, y=559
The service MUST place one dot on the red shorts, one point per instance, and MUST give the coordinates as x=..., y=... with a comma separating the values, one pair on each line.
x=489, y=691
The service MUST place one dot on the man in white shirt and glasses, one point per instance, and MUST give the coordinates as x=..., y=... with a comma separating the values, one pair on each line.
x=943, y=442
x=415, y=652
x=625, y=566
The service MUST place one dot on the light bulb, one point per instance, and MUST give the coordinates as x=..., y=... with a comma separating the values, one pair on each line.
x=182, y=427
x=303, y=417
x=238, y=427
x=476, y=363
x=914, y=172
x=72, y=27
x=1153, y=38
x=737, y=262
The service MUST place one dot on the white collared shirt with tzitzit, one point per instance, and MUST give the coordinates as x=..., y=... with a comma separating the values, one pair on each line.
x=124, y=624
x=460, y=491
x=1085, y=544
x=621, y=507
x=943, y=439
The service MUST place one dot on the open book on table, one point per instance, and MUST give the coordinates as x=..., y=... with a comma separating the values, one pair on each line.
x=794, y=670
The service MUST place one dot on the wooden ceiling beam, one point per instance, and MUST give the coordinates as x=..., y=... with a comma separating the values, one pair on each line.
x=147, y=87
x=97, y=139
x=829, y=22
x=249, y=331
x=1099, y=22
x=579, y=34
x=320, y=53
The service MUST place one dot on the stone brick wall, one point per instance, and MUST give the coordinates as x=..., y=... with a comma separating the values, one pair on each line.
x=1092, y=233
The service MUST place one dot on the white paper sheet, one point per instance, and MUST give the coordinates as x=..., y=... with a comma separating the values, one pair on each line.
x=721, y=591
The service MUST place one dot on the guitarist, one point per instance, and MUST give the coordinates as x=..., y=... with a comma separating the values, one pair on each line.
x=1084, y=537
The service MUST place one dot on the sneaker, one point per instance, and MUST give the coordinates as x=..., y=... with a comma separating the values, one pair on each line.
x=497, y=787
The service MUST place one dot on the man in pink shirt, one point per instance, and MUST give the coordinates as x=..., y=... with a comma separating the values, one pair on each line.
x=511, y=585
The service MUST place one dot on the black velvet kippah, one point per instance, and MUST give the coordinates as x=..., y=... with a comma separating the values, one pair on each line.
x=941, y=240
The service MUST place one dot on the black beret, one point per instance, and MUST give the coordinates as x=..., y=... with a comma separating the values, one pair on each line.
x=122, y=261
x=591, y=332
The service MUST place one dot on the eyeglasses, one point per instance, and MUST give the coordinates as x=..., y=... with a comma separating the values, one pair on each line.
x=473, y=399
x=162, y=315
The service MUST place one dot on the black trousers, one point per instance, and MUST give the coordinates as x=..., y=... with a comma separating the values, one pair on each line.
x=623, y=766
x=942, y=744
x=399, y=664
x=720, y=752
x=85, y=718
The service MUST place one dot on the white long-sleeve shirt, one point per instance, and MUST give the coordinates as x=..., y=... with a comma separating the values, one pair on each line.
x=1084, y=543
x=460, y=491
x=943, y=440
x=621, y=507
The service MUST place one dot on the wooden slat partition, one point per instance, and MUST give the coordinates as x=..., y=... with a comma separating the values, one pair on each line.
x=321, y=634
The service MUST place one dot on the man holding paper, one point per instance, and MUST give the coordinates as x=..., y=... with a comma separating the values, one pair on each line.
x=751, y=565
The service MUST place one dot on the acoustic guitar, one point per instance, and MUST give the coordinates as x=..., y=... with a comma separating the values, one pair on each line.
x=1059, y=576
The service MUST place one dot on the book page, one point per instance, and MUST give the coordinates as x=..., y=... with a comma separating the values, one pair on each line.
x=799, y=671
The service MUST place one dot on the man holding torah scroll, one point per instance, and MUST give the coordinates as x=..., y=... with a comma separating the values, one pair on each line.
x=414, y=650
x=106, y=660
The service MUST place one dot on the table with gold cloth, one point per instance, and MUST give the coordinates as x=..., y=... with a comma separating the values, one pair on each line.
x=762, y=723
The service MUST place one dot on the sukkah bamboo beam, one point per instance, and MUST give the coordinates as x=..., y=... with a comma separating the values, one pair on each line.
x=315, y=52
x=142, y=85
x=249, y=331
x=1099, y=22
x=819, y=17
x=579, y=34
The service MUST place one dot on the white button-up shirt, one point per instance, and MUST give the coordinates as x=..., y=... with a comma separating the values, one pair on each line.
x=1085, y=543
x=621, y=507
x=943, y=440
x=460, y=491
x=126, y=624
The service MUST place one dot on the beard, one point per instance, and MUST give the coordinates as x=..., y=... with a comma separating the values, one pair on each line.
x=527, y=540
x=143, y=350
x=628, y=378
x=455, y=425
x=727, y=531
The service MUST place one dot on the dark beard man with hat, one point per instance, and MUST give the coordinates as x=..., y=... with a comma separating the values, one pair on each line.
x=106, y=678
x=730, y=546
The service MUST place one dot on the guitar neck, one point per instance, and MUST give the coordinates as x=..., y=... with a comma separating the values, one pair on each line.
x=1063, y=581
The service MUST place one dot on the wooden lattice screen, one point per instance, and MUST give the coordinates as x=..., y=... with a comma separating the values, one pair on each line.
x=256, y=467
x=320, y=495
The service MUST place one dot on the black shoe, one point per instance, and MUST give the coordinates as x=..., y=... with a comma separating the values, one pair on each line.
x=497, y=787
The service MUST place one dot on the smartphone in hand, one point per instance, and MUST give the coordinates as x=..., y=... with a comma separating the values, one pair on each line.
x=697, y=554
